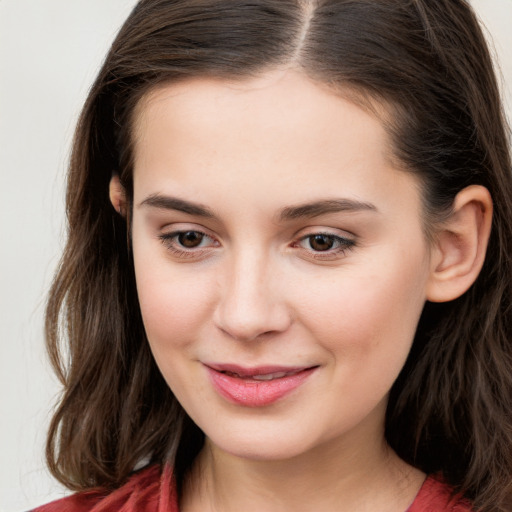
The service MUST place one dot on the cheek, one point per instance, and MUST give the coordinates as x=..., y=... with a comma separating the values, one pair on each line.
x=175, y=310
x=174, y=302
x=172, y=313
x=370, y=313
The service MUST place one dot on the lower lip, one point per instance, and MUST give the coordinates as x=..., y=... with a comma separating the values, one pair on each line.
x=256, y=393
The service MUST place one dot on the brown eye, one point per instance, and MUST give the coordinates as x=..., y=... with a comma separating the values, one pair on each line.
x=321, y=242
x=190, y=239
x=191, y=244
x=326, y=245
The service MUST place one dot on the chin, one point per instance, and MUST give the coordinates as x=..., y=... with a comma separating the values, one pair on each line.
x=272, y=451
x=269, y=443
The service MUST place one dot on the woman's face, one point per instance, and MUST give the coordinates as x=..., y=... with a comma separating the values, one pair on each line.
x=280, y=260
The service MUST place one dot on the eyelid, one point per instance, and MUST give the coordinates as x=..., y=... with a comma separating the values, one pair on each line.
x=168, y=240
x=174, y=234
x=345, y=243
x=175, y=228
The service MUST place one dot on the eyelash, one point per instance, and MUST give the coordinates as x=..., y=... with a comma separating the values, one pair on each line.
x=343, y=245
x=170, y=241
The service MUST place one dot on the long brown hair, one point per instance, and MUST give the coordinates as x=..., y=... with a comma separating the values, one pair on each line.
x=450, y=410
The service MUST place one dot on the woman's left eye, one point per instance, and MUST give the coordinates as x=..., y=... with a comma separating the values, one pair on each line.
x=191, y=239
x=327, y=243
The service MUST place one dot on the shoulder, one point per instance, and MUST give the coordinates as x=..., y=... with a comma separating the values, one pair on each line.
x=149, y=490
x=437, y=496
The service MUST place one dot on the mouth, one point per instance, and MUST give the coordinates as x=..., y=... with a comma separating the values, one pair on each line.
x=258, y=386
x=262, y=376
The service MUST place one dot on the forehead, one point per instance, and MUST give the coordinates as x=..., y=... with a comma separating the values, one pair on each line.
x=280, y=130
x=273, y=92
x=280, y=100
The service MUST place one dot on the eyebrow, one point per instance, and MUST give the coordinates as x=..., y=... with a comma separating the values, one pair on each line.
x=306, y=210
x=174, y=203
x=317, y=208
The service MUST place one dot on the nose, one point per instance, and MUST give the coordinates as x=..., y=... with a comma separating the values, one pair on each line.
x=251, y=303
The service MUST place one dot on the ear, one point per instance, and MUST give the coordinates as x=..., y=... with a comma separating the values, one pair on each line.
x=460, y=245
x=117, y=195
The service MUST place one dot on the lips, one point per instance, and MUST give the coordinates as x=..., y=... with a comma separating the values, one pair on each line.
x=259, y=386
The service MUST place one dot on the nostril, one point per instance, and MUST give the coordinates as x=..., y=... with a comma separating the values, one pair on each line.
x=249, y=305
x=257, y=330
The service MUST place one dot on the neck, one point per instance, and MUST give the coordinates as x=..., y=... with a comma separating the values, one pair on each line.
x=340, y=475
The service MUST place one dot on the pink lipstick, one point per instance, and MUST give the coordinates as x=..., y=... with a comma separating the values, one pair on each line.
x=256, y=387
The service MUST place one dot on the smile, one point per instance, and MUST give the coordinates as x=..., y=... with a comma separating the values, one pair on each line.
x=269, y=376
x=256, y=387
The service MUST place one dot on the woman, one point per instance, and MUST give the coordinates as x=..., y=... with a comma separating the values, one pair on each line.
x=287, y=282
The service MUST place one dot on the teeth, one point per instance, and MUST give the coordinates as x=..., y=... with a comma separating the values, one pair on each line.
x=270, y=376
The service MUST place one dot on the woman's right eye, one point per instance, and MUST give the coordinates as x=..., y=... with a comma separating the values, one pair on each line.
x=187, y=243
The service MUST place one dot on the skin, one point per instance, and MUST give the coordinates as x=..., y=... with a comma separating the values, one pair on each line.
x=258, y=289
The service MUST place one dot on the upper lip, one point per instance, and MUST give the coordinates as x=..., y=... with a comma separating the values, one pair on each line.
x=245, y=371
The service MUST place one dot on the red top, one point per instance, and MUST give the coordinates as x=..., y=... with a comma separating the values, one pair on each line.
x=149, y=490
x=152, y=490
x=436, y=496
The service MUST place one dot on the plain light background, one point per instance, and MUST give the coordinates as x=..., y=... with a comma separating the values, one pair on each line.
x=50, y=51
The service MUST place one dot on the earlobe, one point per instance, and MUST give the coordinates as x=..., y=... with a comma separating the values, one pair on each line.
x=460, y=246
x=117, y=195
